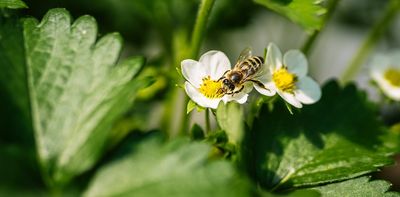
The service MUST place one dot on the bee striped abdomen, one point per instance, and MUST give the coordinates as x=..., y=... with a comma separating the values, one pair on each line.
x=251, y=65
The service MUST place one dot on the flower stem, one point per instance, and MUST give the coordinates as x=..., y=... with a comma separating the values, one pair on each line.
x=208, y=125
x=309, y=43
x=197, y=38
x=200, y=27
x=373, y=37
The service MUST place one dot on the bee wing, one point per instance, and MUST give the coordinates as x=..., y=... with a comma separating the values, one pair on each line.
x=246, y=53
x=264, y=70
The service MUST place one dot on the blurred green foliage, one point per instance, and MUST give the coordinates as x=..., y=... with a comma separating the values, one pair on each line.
x=76, y=109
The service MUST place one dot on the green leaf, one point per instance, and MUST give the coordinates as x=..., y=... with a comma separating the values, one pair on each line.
x=12, y=4
x=17, y=149
x=335, y=139
x=392, y=139
x=306, y=13
x=196, y=133
x=230, y=119
x=176, y=168
x=14, y=101
x=76, y=91
x=295, y=193
x=358, y=187
x=190, y=106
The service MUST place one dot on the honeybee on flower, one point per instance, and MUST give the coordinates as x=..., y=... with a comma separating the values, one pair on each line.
x=247, y=69
x=202, y=80
x=211, y=79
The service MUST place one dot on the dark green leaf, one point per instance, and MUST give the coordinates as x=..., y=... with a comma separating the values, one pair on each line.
x=196, y=132
x=358, y=187
x=296, y=193
x=14, y=101
x=306, y=13
x=335, y=139
x=18, y=166
x=12, y=4
x=76, y=91
x=230, y=119
x=176, y=168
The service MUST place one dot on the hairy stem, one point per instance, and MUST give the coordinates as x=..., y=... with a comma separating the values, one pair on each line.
x=208, y=125
x=309, y=43
x=197, y=38
x=199, y=30
x=369, y=43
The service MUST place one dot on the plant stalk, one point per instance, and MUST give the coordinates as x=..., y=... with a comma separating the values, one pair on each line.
x=309, y=43
x=208, y=125
x=369, y=43
x=197, y=38
x=199, y=30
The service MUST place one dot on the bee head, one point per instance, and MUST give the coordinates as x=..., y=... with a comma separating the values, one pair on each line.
x=228, y=84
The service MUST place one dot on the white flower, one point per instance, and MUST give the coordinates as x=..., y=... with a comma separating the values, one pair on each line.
x=287, y=76
x=385, y=72
x=202, y=85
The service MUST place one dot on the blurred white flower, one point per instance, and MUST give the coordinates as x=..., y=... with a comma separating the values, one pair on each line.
x=202, y=85
x=385, y=71
x=287, y=76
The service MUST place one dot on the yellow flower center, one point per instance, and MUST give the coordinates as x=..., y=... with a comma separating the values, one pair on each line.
x=211, y=88
x=284, y=80
x=393, y=76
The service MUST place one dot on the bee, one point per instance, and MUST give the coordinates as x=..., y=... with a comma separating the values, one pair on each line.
x=246, y=69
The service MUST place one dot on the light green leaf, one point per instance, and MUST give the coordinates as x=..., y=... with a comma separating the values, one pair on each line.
x=392, y=139
x=306, y=13
x=230, y=119
x=359, y=187
x=12, y=4
x=190, y=106
x=76, y=91
x=176, y=168
x=335, y=139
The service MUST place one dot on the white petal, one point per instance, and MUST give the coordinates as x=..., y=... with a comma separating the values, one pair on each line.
x=296, y=63
x=290, y=98
x=193, y=71
x=243, y=99
x=387, y=88
x=379, y=65
x=308, y=91
x=199, y=98
x=216, y=63
x=240, y=97
x=269, y=91
x=274, y=57
x=266, y=79
x=392, y=92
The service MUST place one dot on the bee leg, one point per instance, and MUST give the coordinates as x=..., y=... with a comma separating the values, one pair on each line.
x=259, y=84
x=237, y=91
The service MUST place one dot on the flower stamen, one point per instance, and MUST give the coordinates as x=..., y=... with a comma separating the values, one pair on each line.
x=284, y=80
x=211, y=88
x=393, y=76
